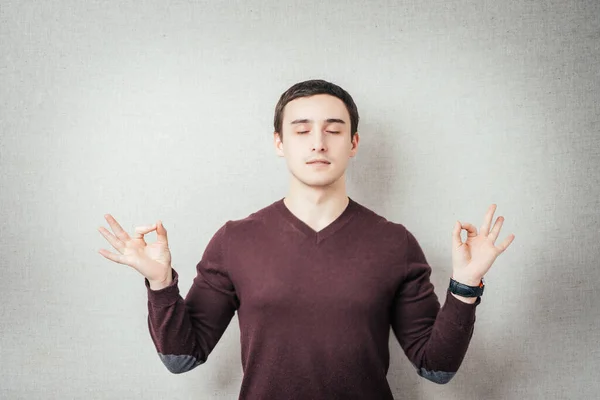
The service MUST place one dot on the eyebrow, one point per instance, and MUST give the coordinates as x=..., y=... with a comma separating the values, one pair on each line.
x=310, y=121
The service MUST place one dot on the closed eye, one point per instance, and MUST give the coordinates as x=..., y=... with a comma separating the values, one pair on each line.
x=326, y=131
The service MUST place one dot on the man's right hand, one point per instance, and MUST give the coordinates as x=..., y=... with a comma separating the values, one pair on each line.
x=152, y=260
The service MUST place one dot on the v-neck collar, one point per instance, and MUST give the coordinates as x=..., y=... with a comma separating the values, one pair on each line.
x=324, y=233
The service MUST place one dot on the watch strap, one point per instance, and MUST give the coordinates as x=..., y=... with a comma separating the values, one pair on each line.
x=466, y=291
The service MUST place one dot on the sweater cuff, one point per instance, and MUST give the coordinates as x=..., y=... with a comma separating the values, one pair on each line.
x=166, y=296
x=460, y=312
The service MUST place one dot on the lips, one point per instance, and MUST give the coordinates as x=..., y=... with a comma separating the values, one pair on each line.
x=319, y=162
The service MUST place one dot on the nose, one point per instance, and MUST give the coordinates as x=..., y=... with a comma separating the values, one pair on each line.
x=318, y=142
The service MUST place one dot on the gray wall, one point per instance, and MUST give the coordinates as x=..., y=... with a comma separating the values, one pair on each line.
x=163, y=110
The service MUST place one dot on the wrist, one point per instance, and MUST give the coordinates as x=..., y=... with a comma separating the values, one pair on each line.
x=161, y=283
x=466, y=288
x=468, y=280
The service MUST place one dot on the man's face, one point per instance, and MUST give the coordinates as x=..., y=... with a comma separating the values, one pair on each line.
x=316, y=128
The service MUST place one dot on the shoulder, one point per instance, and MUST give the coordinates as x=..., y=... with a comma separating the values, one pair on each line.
x=396, y=238
x=381, y=232
x=380, y=223
x=242, y=227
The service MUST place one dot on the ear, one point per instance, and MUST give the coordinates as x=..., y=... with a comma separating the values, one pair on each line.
x=354, y=143
x=278, y=144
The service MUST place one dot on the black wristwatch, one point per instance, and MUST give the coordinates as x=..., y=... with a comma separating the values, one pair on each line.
x=465, y=290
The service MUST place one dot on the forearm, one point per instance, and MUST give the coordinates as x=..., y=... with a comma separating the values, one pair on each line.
x=186, y=331
x=469, y=300
x=171, y=329
x=437, y=347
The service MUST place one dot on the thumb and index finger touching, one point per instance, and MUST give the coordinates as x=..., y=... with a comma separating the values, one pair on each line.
x=458, y=227
x=161, y=232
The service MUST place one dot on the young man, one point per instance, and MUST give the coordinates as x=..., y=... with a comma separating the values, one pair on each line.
x=316, y=278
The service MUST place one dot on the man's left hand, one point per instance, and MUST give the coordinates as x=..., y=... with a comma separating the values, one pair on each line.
x=472, y=258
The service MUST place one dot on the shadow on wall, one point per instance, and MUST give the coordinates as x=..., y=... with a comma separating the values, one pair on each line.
x=368, y=174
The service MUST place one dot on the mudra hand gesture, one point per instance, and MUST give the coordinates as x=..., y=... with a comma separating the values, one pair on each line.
x=472, y=258
x=152, y=260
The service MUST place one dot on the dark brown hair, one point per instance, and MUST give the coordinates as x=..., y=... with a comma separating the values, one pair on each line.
x=310, y=88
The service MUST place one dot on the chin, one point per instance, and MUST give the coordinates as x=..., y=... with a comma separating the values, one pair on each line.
x=322, y=181
x=315, y=179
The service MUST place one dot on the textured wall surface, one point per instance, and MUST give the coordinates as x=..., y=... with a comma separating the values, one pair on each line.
x=163, y=110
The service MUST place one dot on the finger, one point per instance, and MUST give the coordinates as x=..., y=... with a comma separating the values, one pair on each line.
x=114, y=241
x=487, y=221
x=496, y=229
x=161, y=233
x=470, y=228
x=117, y=229
x=504, y=245
x=456, y=239
x=140, y=231
x=112, y=257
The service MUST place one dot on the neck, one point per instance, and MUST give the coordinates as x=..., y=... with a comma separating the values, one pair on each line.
x=317, y=206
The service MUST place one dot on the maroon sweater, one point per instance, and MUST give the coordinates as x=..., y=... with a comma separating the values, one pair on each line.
x=314, y=308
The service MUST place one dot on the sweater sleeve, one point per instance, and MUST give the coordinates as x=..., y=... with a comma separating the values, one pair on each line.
x=434, y=340
x=185, y=331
